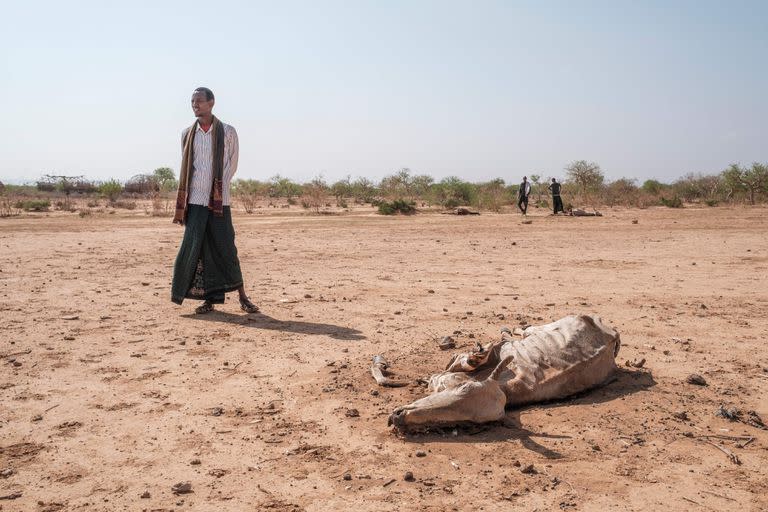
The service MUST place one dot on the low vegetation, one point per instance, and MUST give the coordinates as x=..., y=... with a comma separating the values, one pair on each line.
x=399, y=193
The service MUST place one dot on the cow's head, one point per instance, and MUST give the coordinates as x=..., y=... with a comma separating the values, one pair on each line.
x=471, y=402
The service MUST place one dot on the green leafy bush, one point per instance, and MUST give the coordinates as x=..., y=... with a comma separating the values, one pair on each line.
x=111, y=190
x=675, y=202
x=34, y=205
x=397, y=206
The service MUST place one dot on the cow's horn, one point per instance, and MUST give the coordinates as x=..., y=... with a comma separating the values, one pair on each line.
x=496, y=373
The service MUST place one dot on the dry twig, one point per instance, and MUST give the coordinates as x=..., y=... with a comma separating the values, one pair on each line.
x=732, y=456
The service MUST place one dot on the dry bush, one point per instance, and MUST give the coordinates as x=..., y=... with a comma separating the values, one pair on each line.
x=159, y=206
x=66, y=205
x=315, y=194
x=126, y=205
x=8, y=206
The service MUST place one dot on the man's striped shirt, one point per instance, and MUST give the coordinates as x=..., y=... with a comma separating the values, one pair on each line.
x=201, y=181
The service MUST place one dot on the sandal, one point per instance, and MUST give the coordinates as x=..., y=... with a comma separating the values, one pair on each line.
x=207, y=307
x=248, y=306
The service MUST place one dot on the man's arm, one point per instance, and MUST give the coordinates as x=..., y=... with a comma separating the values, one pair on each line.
x=234, y=154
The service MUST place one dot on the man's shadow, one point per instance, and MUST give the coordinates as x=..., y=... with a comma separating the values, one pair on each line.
x=510, y=428
x=262, y=321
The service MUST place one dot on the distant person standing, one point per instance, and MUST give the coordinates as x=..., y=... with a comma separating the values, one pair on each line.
x=557, y=202
x=522, y=195
x=207, y=266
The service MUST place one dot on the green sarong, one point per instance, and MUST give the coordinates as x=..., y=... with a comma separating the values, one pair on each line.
x=207, y=266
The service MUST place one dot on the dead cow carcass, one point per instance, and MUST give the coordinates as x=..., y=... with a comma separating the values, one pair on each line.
x=550, y=362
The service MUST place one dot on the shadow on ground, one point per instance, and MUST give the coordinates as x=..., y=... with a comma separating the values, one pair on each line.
x=261, y=321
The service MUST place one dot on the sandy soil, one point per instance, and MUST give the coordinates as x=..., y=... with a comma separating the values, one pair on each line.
x=109, y=391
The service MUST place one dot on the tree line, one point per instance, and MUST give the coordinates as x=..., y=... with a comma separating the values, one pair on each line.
x=584, y=185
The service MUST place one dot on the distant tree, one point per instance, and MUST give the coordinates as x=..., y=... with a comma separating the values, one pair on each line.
x=111, y=190
x=398, y=185
x=652, y=187
x=363, y=190
x=283, y=187
x=248, y=192
x=166, y=178
x=492, y=195
x=315, y=193
x=587, y=176
x=752, y=180
x=622, y=191
x=421, y=184
x=698, y=187
x=342, y=189
x=453, y=191
x=535, y=179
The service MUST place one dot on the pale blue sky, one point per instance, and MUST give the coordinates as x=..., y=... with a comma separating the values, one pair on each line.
x=477, y=89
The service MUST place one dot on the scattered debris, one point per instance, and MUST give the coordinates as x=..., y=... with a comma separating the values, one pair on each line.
x=731, y=456
x=217, y=411
x=5, y=473
x=408, y=476
x=182, y=488
x=465, y=211
x=352, y=413
x=696, y=379
x=390, y=482
x=145, y=495
x=636, y=363
x=749, y=418
x=421, y=453
x=681, y=415
x=12, y=496
x=447, y=343
x=529, y=470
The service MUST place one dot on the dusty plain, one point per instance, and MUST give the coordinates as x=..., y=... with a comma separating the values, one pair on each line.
x=110, y=394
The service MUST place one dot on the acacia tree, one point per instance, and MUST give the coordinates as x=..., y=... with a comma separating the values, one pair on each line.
x=753, y=179
x=166, y=178
x=535, y=179
x=587, y=176
x=398, y=185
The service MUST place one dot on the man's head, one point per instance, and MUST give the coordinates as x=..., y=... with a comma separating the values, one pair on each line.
x=554, y=180
x=525, y=178
x=202, y=102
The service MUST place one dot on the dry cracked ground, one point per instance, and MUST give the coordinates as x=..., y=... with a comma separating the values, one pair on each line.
x=113, y=398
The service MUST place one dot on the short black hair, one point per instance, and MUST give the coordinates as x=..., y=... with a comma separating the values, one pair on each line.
x=207, y=91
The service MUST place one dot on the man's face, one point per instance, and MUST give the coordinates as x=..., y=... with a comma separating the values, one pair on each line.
x=200, y=106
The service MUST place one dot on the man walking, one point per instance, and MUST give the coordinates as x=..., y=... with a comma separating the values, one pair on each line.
x=557, y=202
x=207, y=266
x=522, y=195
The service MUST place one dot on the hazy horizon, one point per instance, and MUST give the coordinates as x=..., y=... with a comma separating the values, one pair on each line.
x=478, y=90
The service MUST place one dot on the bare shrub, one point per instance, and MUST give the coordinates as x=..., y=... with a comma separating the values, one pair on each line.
x=249, y=192
x=315, y=193
x=126, y=205
x=7, y=206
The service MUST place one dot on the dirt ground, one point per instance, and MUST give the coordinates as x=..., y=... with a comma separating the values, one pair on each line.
x=110, y=394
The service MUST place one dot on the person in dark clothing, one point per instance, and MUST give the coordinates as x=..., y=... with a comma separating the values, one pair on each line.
x=557, y=202
x=522, y=195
